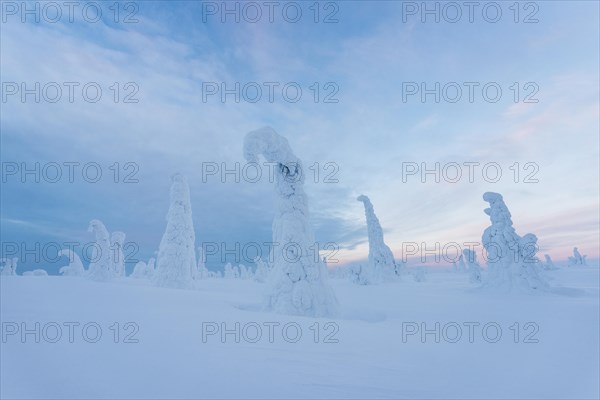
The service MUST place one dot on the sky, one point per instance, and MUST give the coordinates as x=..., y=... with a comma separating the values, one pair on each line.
x=369, y=95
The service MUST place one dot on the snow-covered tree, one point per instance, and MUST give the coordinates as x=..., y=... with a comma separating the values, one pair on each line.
x=577, y=258
x=101, y=268
x=549, y=265
x=382, y=266
x=298, y=283
x=177, y=252
x=358, y=274
x=117, y=240
x=262, y=270
x=9, y=266
x=512, y=263
x=75, y=267
x=245, y=272
x=473, y=266
x=228, y=272
x=140, y=271
x=201, y=270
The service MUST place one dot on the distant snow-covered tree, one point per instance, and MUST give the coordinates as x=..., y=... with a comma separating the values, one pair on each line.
x=577, y=258
x=9, y=266
x=117, y=240
x=246, y=272
x=140, y=271
x=382, y=266
x=358, y=275
x=177, y=252
x=461, y=263
x=75, y=267
x=549, y=265
x=101, y=268
x=298, y=284
x=262, y=270
x=201, y=270
x=473, y=266
x=228, y=271
x=512, y=263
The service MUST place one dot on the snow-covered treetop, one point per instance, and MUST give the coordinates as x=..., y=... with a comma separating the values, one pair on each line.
x=273, y=146
x=275, y=149
x=117, y=237
x=498, y=211
x=97, y=226
x=374, y=227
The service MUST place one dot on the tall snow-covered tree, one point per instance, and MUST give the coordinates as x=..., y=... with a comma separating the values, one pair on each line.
x=75, y=267
x=177, y=252
x=100, y=268
x=382, y=266
x=512, y=263
x=298, y=281
x=117, y=241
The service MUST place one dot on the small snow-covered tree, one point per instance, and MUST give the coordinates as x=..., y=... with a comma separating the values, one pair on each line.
x=358, y=275
x=75, y=267
x=549, y=265
x=382, y=266
x=101, y=268
x=512, y=263
x=177, y=251
x=140, y=271
x=245, y=272
x=9, y=266
x=262, y=270
x=298, y=283
x=117, y=241
x=228, y=271
x=461, y=263
x=577, y=258
x=201, y=270
x=473, y=266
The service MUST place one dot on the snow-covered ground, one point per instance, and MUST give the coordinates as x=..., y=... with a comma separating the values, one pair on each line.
x=167, y=343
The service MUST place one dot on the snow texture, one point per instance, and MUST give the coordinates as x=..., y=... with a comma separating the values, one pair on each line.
x=176, y=254
x=299, y=282
x=512, y=261
x=382, y=266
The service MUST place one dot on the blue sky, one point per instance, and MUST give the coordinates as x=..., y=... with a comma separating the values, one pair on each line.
x=370, y=54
